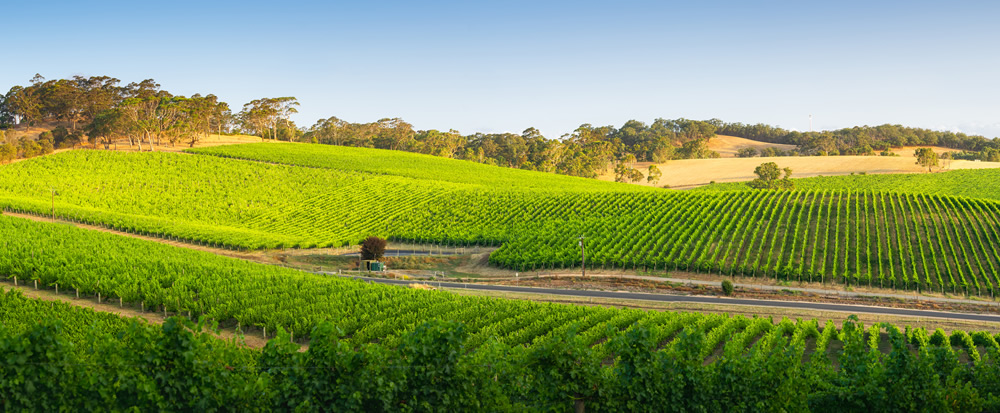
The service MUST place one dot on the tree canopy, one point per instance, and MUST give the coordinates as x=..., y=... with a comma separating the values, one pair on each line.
x=769, y=177
x=926, y=157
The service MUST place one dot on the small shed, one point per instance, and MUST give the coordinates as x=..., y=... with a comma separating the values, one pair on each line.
x=371, y=265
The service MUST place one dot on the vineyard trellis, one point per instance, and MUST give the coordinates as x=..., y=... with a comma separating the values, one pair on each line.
x=888, y=239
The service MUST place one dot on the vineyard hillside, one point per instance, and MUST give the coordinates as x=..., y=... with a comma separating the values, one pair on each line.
x=890, y=239
x=968, y=183
x=410, y=165
x=373, y=334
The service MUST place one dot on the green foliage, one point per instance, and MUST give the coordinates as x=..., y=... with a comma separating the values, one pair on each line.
x=857, y=140
x=95, y=361
x=727, y=287
x=410, y=165
x=435, y=378
x=908, y=242
x=769, y=177
x=926, y=157
x=747, y=152
x=653, y=175
x=562, y=370
x=971, y=183
x=697, y=149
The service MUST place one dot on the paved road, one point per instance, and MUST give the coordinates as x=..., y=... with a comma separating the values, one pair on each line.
x=741, y=283
x=404, y=253
x=698, y=299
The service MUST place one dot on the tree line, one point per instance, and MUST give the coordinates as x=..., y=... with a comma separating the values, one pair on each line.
x=99, y=110
x=588, y=151
x=864, y=140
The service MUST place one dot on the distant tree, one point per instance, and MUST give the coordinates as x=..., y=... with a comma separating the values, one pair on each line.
x=23, y=105
x=260, y=116
x=624, y=171
x=653, y=175
x=634, y=175
x=286, y=107
x=769, y=177
x=7, y=152
x=105, y=127
x=746, y=152
x=697, y=149
x=926, y=157
x=372, y=248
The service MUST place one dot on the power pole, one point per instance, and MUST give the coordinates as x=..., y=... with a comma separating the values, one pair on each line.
x=583, y=258
x=53, y=203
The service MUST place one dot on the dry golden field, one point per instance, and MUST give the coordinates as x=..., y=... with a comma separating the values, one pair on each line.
x=695, y=172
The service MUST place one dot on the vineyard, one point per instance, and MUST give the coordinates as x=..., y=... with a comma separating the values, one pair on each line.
x=548, y=362
x=971, y=183
x=412, y=165
x=887, y=239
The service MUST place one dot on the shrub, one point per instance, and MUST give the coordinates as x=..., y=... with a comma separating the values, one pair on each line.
x=727, y=287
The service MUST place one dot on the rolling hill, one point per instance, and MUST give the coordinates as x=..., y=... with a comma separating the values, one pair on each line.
x=284, y=195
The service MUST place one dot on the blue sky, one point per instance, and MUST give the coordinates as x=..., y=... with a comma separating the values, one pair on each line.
x=509, y=65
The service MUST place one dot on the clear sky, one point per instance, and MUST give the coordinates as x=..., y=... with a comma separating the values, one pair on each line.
x=479, y=66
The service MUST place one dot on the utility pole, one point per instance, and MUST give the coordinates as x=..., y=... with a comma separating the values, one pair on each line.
x=583, y=258
x=53, y=203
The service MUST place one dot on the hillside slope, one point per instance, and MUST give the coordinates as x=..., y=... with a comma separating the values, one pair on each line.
x=727, y=146
x=410, y=165
x=840, y=236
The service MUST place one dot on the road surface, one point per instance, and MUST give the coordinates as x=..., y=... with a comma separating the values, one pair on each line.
x=696, y=299
x=405, y=253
